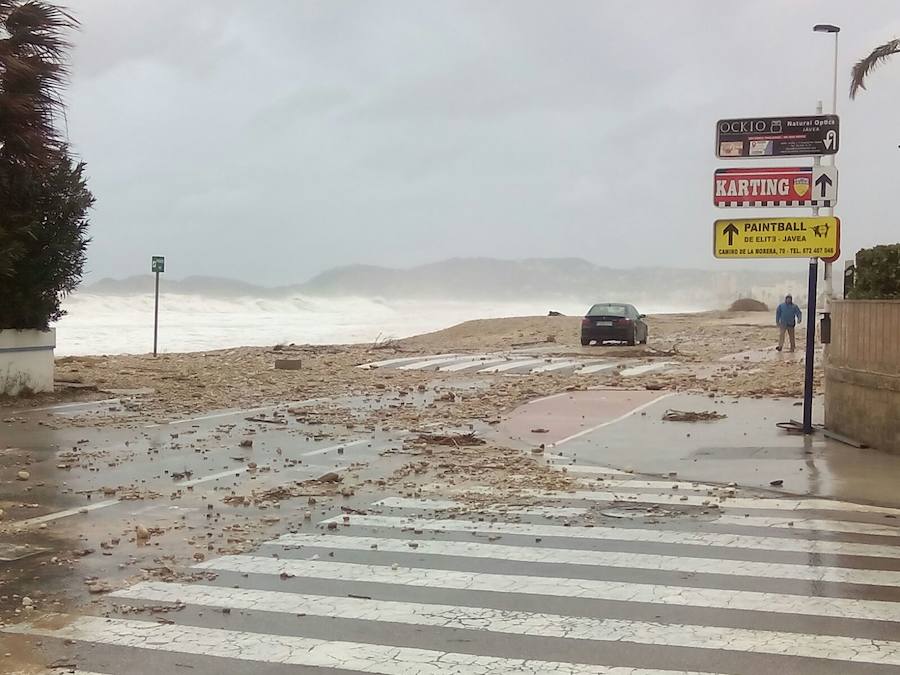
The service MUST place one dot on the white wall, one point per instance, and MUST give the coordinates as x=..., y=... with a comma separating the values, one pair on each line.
x=26, y=361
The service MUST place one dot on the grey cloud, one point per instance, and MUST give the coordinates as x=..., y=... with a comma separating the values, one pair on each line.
x=270, y=140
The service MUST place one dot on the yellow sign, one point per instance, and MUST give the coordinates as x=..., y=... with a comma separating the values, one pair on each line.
x=811, y=237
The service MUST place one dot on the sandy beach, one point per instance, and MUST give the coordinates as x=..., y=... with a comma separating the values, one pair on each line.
x=714, y=352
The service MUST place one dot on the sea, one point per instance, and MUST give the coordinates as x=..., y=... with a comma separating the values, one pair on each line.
x=123, y=324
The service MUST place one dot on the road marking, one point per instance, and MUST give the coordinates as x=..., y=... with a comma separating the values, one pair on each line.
x=547, y=398
x=616, y=591
x=445, y=504
x=237, y=471
x=582, y=469
x=322, y=451
x=625, y=533
x=562, y=556
x=557, y=366
x=392, y=362
x=642, y=484
x=832, y=647
x=587, y=370
x=64, y=406
x=512, y=365
x=50, y=517
x=646, y=368
x=814, y=524
x=300, y=651
x=614, y=421
x=231, y=413
x=470, y=364
x=421, y=365
x=721, y=501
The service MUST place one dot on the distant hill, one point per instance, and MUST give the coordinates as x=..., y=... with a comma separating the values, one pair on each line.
x=491, y=279
x=548, y=278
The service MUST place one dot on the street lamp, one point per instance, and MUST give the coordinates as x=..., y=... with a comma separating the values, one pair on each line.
x=828, y=28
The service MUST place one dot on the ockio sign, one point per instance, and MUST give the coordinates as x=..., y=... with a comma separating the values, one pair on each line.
x=777, y=136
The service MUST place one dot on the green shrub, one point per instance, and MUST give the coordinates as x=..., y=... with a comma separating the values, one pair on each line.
x=877, y=275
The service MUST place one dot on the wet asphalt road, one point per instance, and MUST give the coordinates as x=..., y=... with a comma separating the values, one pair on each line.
x=651, y=574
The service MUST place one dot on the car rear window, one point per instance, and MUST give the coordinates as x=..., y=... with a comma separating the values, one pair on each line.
x=608, y=310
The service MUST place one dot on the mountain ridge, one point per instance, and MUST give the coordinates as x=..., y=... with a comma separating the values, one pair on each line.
x=470, y=279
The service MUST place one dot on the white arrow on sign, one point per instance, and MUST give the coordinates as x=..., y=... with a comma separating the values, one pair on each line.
x=825, y=184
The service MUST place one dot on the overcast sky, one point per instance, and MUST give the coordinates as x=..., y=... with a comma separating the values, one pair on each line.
x=271, y=140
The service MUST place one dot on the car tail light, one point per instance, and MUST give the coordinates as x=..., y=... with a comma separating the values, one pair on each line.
x=585, y=321
x=623, y=322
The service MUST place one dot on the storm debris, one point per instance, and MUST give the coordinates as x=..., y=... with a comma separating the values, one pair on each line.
x=692, y=416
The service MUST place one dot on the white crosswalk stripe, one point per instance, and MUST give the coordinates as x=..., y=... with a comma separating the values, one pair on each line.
x=475, y=364
x=699, y=500
x=520, y=623
x=446, y=504
x=600, y=558
x=558, y=365
x=497, y=588
x=625, y=532
x=615, y=591
x=256, y=647
x=524, y=362
x=514, y=364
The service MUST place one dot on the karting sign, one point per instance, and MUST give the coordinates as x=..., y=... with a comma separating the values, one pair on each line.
x=777, y=136
x=809, y=237
x=777, y=186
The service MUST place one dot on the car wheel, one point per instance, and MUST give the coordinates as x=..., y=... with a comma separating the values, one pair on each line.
x=646, y=337
x=633, y=339
x=585, y=342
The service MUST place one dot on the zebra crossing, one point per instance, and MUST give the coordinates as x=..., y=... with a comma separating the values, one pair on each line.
x=516, y=363
x=538, y=582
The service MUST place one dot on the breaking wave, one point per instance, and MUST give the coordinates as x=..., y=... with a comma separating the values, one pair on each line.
x=108, y=324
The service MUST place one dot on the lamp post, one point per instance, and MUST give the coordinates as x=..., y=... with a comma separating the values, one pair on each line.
x=835, y=30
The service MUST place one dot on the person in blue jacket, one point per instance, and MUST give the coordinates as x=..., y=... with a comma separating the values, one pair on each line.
x=786, y=316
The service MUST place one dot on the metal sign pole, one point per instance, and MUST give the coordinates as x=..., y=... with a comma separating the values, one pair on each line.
x=810, y=345
x=811, y=326
x=156, y=313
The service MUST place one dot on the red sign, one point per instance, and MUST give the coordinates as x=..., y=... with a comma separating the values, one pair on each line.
x=804, y=186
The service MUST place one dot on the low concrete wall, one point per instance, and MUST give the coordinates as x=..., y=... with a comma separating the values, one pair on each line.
x=26, y=361
x=862, y=375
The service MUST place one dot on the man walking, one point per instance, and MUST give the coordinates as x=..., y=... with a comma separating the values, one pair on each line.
x=786, y=316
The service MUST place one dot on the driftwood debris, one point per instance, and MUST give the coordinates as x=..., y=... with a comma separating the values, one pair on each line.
x=455, y=440
x=692, y=416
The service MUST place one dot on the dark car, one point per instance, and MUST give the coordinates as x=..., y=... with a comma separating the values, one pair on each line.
x=613, y=321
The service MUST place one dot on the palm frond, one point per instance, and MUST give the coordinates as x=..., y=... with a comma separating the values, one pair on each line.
x=33, y=74
x=865, y=66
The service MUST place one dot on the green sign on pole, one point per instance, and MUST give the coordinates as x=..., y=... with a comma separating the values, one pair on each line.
x=157, y=265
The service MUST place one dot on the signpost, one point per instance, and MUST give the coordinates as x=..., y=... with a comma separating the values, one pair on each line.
x=804, y=186
x=803, y=237
x=760, y=137
x=157, y=266
x=787, y=186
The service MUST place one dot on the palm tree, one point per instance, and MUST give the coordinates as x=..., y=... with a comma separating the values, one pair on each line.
x=865, y=66
x=43, y=194
x=32, y=73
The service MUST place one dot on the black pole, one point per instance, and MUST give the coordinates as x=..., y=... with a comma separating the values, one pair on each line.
x=810, y=345
x=156, y=314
